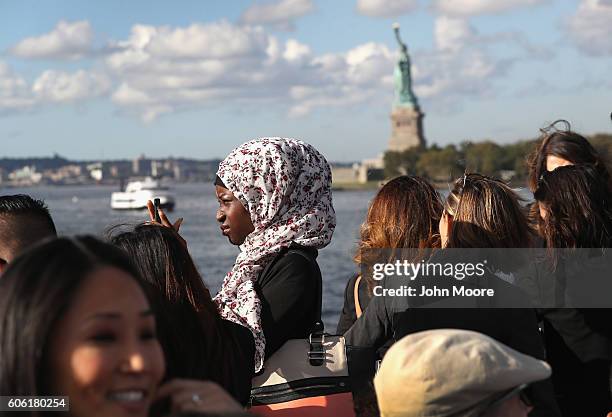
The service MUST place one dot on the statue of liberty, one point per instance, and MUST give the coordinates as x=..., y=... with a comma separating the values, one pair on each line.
x=404, y=97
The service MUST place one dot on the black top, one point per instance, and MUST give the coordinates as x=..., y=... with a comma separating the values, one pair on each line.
x=242, y=357
x=395, y=317
x=578, y=340
x=348, y=316
x=288, y=289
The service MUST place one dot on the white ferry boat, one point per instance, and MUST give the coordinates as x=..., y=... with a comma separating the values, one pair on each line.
x=138, y=192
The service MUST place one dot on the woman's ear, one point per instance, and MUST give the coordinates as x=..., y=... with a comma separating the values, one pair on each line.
x=446, y=223
x=543, y=210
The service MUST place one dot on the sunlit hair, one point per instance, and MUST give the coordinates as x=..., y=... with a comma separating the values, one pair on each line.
x=35, y=292
x=486, y=213
x=559, y=140
x=578, y=208
x=405, y=213
x=195, y=343
x=563, y=143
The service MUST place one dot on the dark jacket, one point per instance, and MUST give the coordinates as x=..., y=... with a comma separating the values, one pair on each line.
x=577, y=338
x=348, y=316
x=288, y=289
x=394, y=317
x=243, y=358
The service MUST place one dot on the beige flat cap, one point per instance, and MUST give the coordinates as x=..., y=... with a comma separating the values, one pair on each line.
x=444, y=372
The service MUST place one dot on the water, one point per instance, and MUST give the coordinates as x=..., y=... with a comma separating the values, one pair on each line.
x=86, y=210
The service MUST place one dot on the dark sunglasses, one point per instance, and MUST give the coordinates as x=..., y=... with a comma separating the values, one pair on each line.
x=520, y=390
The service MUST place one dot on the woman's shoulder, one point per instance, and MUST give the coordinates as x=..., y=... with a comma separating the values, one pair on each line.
x=242, y=344
x=295, y=260
x=298, y=254
x=240, y=333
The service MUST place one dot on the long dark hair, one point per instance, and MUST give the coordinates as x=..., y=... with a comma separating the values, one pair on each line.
x=404, y=214
x=559, y=140
x=35, y=291
x=196, y=344
x=578, y=204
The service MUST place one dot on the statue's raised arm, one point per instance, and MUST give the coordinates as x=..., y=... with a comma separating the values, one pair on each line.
x=403, y=47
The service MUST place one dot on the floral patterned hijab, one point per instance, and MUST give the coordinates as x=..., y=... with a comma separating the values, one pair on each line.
x=285, y=185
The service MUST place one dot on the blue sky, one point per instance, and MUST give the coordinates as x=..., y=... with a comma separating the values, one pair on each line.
x=114, y=79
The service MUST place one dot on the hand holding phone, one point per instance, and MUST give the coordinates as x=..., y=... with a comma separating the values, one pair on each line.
x=156, y=204
x=157, y=215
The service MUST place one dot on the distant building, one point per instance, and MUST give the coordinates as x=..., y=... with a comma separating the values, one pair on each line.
x=371, y=170
x=344, y=173
x=26, y=175
x=114, y=171
x=177, y=172
x=137, y=165
x=96, y=171
x=156, y=168
x=358, y=172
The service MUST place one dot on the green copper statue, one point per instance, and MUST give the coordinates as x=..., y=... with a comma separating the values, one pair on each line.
x=404, y=97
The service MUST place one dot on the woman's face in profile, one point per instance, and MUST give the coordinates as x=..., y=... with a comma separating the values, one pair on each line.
x=235, y=220
x=553, y=162
x=104, y=354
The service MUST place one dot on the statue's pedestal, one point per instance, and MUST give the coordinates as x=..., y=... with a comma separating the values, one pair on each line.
x=406, y=129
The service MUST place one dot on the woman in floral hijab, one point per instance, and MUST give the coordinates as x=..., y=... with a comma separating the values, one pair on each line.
x=274, y=194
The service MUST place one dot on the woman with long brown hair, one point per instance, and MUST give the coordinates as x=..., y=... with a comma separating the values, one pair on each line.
x=197, y=342
x=575, y=206
x=482, y=212
x=479, y=213
x=404, y=214
x=561, y=147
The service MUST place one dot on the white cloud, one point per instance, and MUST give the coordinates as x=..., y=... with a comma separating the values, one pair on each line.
x=62, y=87
x=14, y=93
x=463, y=63
x=590, y=28
x=386, y=8
x=281, y=13
x=162, y=71
x=296, y=52
x=215, y=41
x=359, y=75
x=452, y=33
x=478, y=7
x=50, y=87
x=66, y=41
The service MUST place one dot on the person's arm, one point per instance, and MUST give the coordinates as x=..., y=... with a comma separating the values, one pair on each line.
x=288, y=298
x=363, y=339
x=373, y=328
x=528, y=340
x=242, y=357
x=348, y=315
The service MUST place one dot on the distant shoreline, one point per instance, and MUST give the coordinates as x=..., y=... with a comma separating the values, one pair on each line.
x=375, y=185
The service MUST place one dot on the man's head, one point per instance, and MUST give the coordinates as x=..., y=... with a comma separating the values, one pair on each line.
x=23, y=222
x=449, y=372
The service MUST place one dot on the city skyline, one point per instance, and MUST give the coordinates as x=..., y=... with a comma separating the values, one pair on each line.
x=195, y=79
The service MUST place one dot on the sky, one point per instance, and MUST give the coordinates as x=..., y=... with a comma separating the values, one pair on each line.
x=115, y=79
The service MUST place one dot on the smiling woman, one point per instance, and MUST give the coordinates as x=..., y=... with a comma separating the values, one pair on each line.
x=90, y=335
x=91, y=332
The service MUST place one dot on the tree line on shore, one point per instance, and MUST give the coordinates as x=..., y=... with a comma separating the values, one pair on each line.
x=442, y=164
